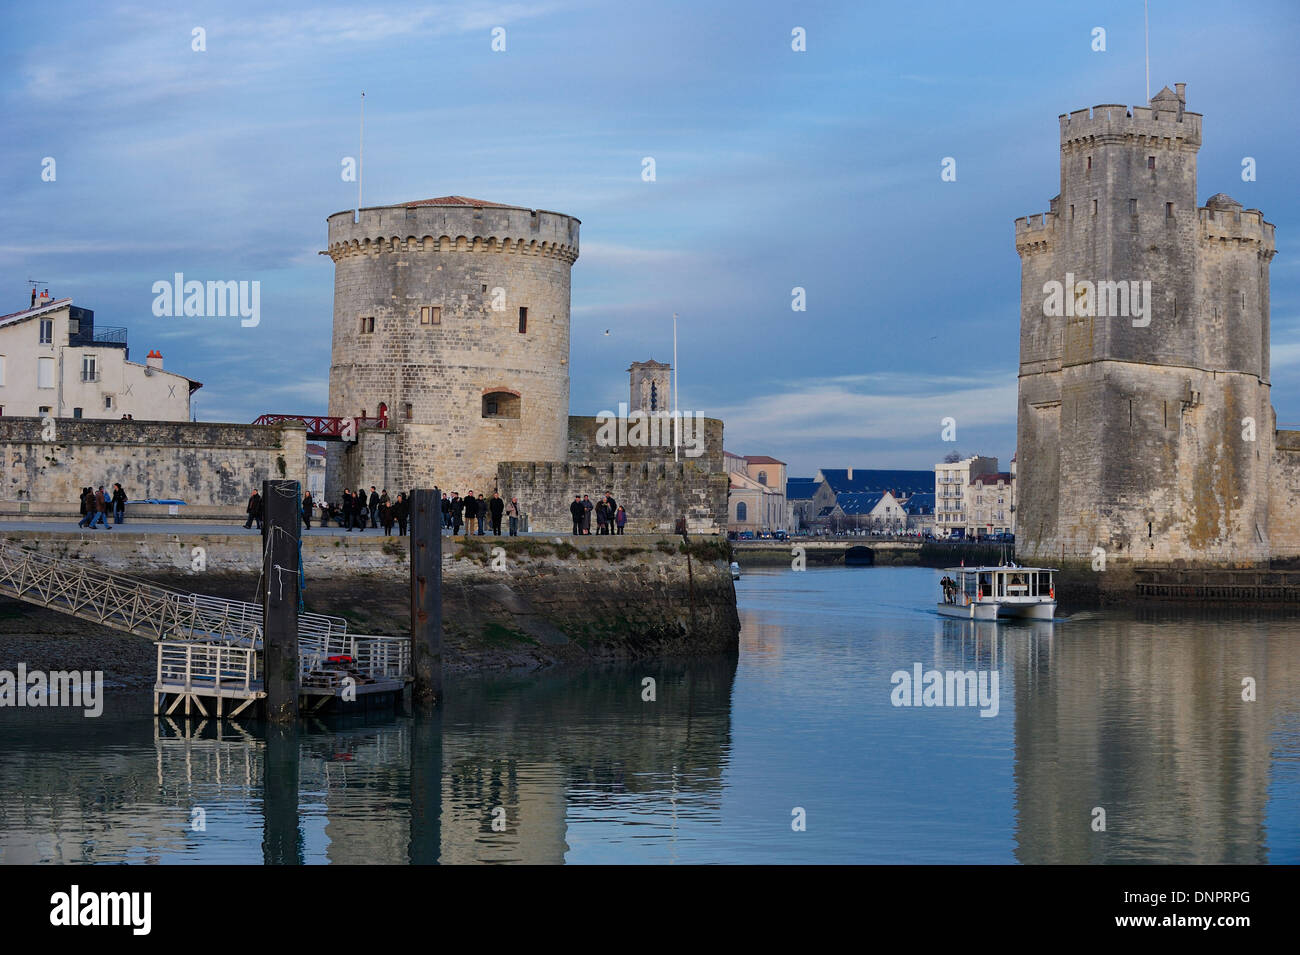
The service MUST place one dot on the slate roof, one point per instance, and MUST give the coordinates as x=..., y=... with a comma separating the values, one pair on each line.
x=800, y=489
x=919, y=504
x=906, y=482
x=860, y=502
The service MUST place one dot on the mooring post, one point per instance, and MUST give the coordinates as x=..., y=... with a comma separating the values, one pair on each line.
x=426, y=596
x=281, y=523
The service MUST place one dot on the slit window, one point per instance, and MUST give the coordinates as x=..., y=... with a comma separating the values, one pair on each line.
x=523, y=320
x=1132, y=207
x=1089, y=164
x=430, y=314
x=1094, y=207
x=1151, y=162
x=1169, y=210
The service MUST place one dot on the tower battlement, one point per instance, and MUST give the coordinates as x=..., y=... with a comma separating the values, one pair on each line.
x=1228, y=222
x=1033, y=233
x=1164, y=121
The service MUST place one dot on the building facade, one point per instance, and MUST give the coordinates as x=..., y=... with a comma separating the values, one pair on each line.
x=756, y=500
x=1145, y=425
x=53, y=361
x=953, y=500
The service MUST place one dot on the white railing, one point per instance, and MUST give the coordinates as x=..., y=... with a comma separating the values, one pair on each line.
x=210, y=667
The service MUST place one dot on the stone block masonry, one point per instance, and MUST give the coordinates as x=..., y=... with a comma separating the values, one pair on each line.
x=200, y=463
x=654, y=495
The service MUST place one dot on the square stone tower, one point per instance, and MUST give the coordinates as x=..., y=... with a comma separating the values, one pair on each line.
x=651, y=386
x=1144, y=421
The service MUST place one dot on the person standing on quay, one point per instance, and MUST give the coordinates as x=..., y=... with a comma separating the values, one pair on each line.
x=602, y=518
x=587, y=507
x=576, y=510
x=254, y=510
x=496, y=506
x=512, y=512
x=349, y=508
x=400, y=509
x=446, y=512
x=307, y=505
x=374, y=507
x=471, y=514
x=101, y=508
x=620, y=518
x=87, y=507
x=119, y=504
x=386, y=514
x=457, y=513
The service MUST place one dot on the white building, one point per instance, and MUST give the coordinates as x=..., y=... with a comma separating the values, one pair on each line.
x=54, y=362
x=953, y=499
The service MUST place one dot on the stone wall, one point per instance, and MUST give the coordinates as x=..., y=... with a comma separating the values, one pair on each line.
x=654, y=495
x=1284, y=496
x=584, y=447
x=201, y=463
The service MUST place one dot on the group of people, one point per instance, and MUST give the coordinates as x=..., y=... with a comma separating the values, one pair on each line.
x=96, y=506
x=609, y=514
x=474, y=513
x=356, y=512
x=949, y=590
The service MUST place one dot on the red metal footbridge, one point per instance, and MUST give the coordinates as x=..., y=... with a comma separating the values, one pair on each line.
x=327, y=428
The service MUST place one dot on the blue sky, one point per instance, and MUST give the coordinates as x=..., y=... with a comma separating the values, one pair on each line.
x=774, y=169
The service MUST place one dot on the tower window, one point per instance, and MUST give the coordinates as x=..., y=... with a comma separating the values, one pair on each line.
x=108, y=402
x=367, y=325
x=1071, y=211
x=1151, y=162
x=430, y=314
x=1169, y=210
x=408, y=410
x=1089, y=164
x=1132, y=207
x=500, y=404
x=523, y=320
x=1094, y=207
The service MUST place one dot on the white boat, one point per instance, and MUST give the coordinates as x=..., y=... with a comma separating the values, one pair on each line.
x=987, y=593
x=735, y=570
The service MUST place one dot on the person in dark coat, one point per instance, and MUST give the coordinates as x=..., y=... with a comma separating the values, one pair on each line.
x=620, y=518
x=602, y=518
x=102, y=501
x=386, y=515
x=87, y=507
x=457, y=512
x=471, y=514
x=254, y=510
x=401, y=508
x=587, y=508
x=348, y=504
x=446, y=511
x=576, y=510
x=496, y=507
x=119, y=504
x=307, y=506
x=374, y=507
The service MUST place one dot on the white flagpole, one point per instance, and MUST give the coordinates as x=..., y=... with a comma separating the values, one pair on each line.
x=361, y=156
x=1146, y=27
x=676, y=415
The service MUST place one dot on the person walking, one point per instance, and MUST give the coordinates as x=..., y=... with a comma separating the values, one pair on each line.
x=512, y=512
x=576, y=510
x=445, y=505
x=457, y=512
x=496, y=507
x=471, y=514
x=87, y=507
x=307, y=505
x=101, y=509
x=254, y=510
x=374, y=507
x=620, y=518
x=587, y=507
x=119, y=504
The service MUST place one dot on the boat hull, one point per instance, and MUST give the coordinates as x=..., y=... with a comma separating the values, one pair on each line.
x=1035, y=611
x=971, y=611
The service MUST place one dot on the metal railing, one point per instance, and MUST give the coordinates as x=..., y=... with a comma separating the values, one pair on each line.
x=211, y=668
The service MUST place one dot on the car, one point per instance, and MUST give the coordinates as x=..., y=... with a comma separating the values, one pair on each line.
x=780, y=535
x=747, y=535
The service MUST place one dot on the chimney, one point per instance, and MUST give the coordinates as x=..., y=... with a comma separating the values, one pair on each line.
x=1181, y=90
x=850, y=470
x=33, y=296
x=154, y=359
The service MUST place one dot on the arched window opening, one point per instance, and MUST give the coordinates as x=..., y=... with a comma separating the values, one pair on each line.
x=762, y=477
x=500, y=404
x=741, y=511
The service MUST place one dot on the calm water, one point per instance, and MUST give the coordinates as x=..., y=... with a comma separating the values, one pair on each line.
x=1140, y=715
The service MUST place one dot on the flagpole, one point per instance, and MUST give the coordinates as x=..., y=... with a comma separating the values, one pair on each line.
x=1146, y=29
x=361, y=155
x=676, y=416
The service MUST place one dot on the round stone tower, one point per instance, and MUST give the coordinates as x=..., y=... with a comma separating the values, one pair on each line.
x=451, y=325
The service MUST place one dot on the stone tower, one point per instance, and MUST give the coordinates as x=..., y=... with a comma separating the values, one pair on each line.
x=1144, y=420
x=451, y=320
x=651, y=386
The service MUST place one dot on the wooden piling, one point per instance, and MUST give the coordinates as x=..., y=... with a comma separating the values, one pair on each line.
x=281, y=527
x=426, y=596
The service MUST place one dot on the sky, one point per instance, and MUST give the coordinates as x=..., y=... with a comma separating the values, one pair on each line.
x=775, y=169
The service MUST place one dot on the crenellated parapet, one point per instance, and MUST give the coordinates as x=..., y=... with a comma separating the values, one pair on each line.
x=1034, y=233
x=453, y=224
x=1223, y=220
x=1162, y=124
